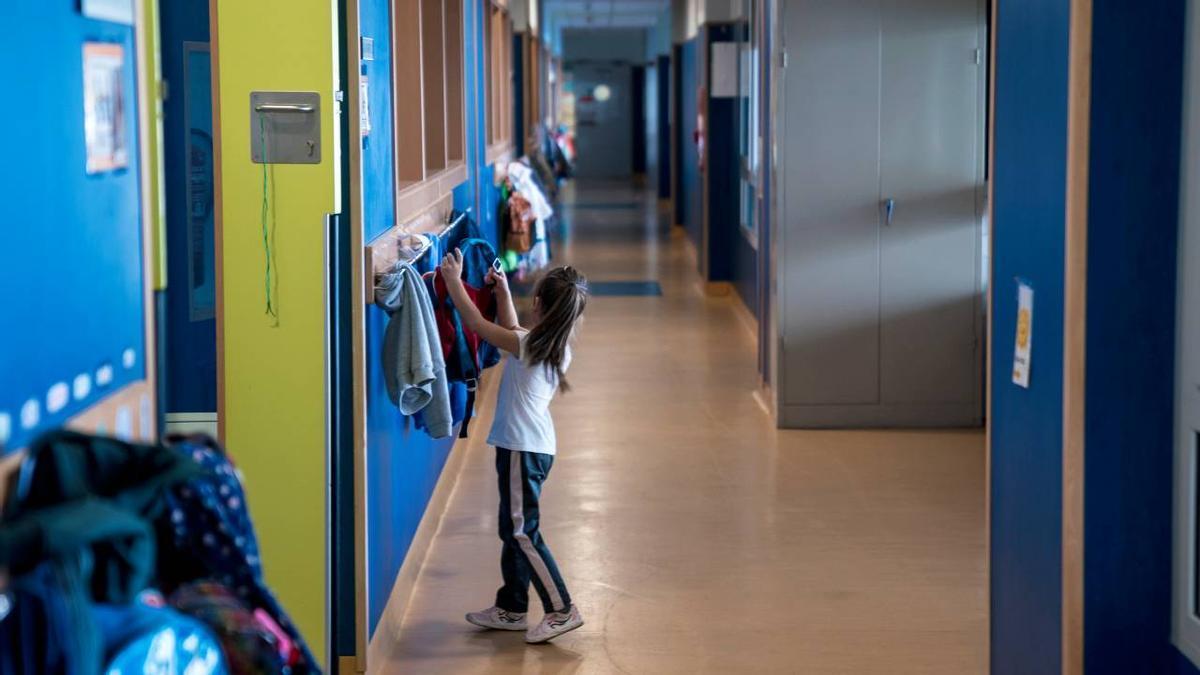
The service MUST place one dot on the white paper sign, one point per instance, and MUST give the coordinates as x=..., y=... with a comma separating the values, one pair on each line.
x=1024, y=346
x=120, y=11
x=724, y=69
x=364, y=107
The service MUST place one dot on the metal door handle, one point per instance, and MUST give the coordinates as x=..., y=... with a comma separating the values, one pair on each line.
x=889, y=207
x=284, y=108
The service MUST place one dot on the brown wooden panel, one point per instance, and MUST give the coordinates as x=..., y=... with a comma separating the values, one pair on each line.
x=505, y=75
x=455, y=113
x=406, y=69
x=133, y=405
x=1075, y=335
x=434, y=89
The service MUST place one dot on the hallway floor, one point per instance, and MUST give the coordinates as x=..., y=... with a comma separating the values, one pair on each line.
x=694, y=536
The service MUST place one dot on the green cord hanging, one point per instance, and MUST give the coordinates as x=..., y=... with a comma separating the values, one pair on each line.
x=262, y=133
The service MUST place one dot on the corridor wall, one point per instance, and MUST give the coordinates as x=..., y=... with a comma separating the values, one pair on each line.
x=272, y=394
x=709, y=194
x=1087, y=138
x=79, y=349
x=723, y=244
x=1029, y=209
x=691, y=191
x=1129, y=423
x=403, y=467
x=744, y=269
x=665, y=125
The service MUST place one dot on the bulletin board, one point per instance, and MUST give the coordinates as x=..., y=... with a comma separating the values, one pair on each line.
x=75, y=317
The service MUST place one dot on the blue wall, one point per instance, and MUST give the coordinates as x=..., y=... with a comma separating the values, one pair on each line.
x=722, y=173
x=1029, y=210
x=744, y=269
x=663, y=93
x=75, y=239
x=403, y=467
x=378, y=173
x=678, y=135
x=691, y=190
x=730, y=256
x=403, y=463
x=1130, y=331
x=1137, y=74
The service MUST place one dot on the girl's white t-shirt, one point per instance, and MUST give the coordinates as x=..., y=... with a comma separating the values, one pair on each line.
x=523, y=404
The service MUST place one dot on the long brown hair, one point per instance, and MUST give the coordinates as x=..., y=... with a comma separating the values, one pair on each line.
x=561, y=294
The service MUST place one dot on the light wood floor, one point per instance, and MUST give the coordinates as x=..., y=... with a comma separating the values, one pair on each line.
x=694, y=536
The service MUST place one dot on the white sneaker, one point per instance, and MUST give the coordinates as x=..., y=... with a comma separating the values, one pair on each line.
x=498, y=619
x=553, y=625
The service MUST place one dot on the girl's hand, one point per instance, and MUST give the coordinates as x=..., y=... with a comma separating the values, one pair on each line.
x=452, y=266
x=499, y=279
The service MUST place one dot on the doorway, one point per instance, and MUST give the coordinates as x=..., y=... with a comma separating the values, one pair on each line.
x=603, y=118
x=191, y=340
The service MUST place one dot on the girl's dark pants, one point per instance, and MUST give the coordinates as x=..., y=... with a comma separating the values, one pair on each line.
x=525, y=556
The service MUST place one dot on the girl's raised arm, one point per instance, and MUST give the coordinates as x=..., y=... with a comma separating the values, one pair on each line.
x=503, y=338
x=506, y=312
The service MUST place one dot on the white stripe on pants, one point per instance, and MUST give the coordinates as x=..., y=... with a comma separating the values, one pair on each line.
x=516, y=504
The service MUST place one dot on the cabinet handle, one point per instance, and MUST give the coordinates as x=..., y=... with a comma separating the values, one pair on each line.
x=889, y=207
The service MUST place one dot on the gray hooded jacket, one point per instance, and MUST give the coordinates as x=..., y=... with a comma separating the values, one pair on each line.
x=413, y=367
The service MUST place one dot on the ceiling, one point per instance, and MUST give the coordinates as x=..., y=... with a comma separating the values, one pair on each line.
x=606, y=13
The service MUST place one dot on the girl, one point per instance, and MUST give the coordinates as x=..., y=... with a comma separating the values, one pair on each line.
x=523, y=433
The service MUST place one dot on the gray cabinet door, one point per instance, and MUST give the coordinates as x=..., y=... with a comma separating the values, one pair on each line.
x=830, y=284
x=930, y=167
x=880, y=317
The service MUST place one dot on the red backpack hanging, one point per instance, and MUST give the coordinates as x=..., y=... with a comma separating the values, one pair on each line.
x=466, y=354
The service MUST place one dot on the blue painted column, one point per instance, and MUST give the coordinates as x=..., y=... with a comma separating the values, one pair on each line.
x=1029, y=174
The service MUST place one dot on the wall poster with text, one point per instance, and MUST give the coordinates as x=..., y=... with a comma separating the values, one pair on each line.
x=104, y=107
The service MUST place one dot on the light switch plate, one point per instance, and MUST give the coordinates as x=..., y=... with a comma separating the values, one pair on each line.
x=285, y=127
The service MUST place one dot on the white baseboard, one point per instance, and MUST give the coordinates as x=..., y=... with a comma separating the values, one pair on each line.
x=192, y=423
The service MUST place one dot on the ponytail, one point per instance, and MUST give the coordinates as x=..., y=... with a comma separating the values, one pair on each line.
x=562, y=295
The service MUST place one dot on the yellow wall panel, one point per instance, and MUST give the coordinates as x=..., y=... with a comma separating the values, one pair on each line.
x=154, y=169
x=272, y=378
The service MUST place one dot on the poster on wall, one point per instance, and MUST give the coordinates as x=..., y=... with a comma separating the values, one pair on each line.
x=364, y=107
x=104, y=107
x=1023, y=353
x=202, y=285
x=120, y=11
x=566, y=103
